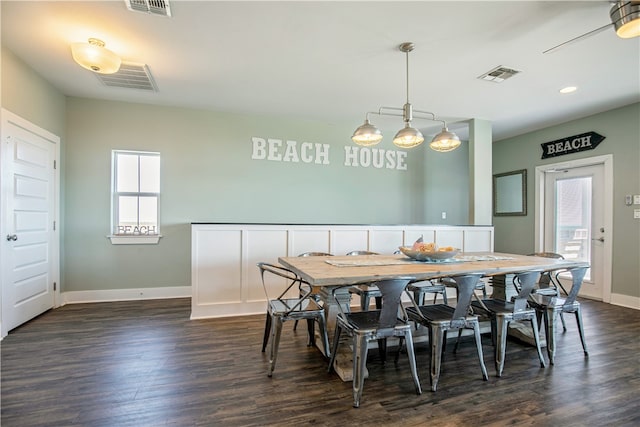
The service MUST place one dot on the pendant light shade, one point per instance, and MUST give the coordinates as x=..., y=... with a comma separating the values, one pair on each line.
x=407, y=137
x=625, y=16
x=367, y=135
x=445, y=141
x=94, y=57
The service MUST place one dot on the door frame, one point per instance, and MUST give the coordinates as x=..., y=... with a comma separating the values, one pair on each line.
x=606, y=161
x=6, y=117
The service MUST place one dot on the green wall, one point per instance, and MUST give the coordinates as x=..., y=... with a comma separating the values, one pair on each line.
x=208, y=175
x=621, y=127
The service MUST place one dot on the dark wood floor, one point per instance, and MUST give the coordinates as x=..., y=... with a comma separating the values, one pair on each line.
x=144, y=363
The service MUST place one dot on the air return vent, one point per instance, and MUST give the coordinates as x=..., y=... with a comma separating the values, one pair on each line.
x=499, y=74
x=155, y=7
x=130, y=76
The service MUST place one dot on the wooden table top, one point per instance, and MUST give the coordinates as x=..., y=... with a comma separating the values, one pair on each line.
x=348, y=270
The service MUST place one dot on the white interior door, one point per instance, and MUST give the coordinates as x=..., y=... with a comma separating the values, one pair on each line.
x=574, y=219
x=29, y=243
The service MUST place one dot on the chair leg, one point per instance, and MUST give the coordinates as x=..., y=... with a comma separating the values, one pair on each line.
x=276, y=330
x=378, y=303
x=382, y=350
x=550, y=317
x=444, y=297
x=455, y=349
x=436, y=338
x=359, y=364
x=581, y=331
x=476, y=332
x=412, y=361
x=311, y=332
x=267, y=331
x=322, y=324
x=501, y=343
x=364, y=302
x=536, y=337
x=295, y=325
x=336, y=342
x=564, y=325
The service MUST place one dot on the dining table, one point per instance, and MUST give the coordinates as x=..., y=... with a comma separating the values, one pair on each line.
x=332, y=275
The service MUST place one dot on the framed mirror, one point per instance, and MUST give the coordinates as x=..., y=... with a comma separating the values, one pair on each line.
x=510, y=193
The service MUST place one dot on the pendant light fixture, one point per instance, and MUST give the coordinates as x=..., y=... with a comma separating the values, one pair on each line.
x=625, y=16
x=407, y=137
x=94, y=57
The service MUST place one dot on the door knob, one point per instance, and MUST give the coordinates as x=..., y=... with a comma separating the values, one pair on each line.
x=11, y=237
x=600, y=239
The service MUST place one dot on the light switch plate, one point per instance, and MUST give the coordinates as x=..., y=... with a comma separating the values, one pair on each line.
x=636, y=199
x=636, y=214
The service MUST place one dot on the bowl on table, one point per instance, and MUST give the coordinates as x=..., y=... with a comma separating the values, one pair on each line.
x=435, y=256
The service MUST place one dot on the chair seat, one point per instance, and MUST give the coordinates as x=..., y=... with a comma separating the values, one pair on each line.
x=367, y=320
x=434, y=313
x=308, y=308
x=498, y=307
x=543, y=301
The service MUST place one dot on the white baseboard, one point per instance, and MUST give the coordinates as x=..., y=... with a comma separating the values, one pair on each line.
x=106, y=295
x=625, y=301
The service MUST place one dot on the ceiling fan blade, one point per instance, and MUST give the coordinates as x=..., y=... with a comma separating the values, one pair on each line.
x=575, y=39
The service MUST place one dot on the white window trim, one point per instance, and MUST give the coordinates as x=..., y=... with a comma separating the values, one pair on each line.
x=116, y=239
x=135, y=239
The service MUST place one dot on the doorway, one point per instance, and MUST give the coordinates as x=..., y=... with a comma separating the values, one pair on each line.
x=30, y=243
x=574, y=217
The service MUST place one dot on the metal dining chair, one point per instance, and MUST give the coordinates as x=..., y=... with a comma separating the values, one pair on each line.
x=366, y=291
x=440, y=318
x=503, y=312
x=549, y=307
x=366, y=326
x=280, y=309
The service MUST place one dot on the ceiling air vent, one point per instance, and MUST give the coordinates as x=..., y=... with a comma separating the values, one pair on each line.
x=499, y=74
x=130, y=76
x=155, y=7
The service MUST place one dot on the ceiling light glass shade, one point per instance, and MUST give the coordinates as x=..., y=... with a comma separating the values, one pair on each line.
x=445, y=141
x=367, y=135
x=94, y=57
x=408, y=137
x=625, y=16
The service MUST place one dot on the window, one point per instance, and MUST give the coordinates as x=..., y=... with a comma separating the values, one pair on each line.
x=135, y=197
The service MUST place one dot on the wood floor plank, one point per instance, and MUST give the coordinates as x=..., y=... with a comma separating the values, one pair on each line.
x=144, y=363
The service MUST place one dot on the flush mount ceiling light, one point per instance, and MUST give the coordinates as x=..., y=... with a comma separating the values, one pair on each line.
x=568, y=89
x=93, y=56
x=625, y=16
x=407, y=137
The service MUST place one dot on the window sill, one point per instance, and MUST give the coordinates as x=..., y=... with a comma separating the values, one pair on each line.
x=134, y=240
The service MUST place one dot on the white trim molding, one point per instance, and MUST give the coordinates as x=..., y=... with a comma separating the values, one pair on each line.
x=109, y=295
x=625, y=301
x=605, y=160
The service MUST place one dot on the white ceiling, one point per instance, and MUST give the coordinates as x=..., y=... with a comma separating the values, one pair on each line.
x=334, y=61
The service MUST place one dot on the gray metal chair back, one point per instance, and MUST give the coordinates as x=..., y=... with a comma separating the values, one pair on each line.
x=315, y=254
x=282, y=308
x=549, y=307
x=577, y=277
x=353, y=253
x=365, y=326
x=440, y=318
x=503, y=312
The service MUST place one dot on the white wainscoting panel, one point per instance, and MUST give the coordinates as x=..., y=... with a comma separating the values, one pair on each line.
x=226, y=282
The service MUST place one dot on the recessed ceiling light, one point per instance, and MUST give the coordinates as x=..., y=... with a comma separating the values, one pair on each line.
x=568, y=89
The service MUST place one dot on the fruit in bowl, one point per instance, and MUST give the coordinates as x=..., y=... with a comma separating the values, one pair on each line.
x=421, y=251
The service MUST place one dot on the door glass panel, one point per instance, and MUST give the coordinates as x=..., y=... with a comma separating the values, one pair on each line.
x=573, y=219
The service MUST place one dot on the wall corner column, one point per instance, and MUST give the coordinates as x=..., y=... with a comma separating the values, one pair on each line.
x=480, y=172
